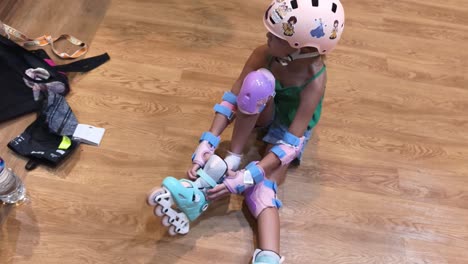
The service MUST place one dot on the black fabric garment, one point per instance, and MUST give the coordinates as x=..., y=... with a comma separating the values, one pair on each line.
x=16, y=98
x=41, y=146
x=48, y=140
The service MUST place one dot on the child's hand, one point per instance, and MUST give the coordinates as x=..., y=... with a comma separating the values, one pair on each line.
x=218, y=192
x=192, y=172
x=199, y=158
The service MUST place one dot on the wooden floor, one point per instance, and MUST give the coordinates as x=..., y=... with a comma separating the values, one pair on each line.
x=385, y=179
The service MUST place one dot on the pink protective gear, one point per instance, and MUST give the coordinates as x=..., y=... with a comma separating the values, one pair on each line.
x=228, y=106
x=307, y=23
x=262, y=196
x=288, y=148
x=258, y=87
x=243, y=179
x=208, y=144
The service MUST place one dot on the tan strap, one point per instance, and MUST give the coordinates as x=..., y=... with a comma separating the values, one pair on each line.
x=46, y=40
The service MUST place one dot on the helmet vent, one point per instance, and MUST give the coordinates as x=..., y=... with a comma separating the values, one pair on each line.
x=266, y=13
x=315, y=3
x=334, y=7
x=294, y=4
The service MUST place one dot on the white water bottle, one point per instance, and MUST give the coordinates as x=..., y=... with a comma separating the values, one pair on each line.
x=12, y=190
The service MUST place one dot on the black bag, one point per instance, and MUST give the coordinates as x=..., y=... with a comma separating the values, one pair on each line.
x=16, y=98
x=44, y=141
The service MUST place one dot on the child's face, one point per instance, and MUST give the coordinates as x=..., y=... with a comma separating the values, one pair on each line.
x=278, y=47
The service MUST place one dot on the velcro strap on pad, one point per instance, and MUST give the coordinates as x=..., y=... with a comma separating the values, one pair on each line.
x=256, y=171
x=280, y=153
x=272, y=185
x=291, y=139
x=212, y=139
x=230, y=97
x=225, y=111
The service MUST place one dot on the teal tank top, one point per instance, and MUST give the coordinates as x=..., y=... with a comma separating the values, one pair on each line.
x=287, y=101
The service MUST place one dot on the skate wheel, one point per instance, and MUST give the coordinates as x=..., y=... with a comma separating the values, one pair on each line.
x=165, y=221
x=172, y=231
x=158, y=210
x=151, y=200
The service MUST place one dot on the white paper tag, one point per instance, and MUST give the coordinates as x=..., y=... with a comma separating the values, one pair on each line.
x=89, y=134
x=248, y=180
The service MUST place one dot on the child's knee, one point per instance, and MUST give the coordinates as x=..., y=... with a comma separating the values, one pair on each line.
x=262, y=196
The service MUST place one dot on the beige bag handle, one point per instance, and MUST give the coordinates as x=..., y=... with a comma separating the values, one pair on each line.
x=45, y=40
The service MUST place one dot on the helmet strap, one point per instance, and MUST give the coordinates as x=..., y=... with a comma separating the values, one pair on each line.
x=284, y=61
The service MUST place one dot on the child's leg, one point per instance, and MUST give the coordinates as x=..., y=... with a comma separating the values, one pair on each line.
x=263, y=204
x=268, y=221
x=244, y=124
x=268, y=230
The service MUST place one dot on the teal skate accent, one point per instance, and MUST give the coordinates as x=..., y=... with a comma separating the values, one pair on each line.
x=202, y=174
x=266, y=260
x=190, y=200
x=266, y=257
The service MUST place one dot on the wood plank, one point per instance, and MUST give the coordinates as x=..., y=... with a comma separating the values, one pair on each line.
x=383, y=179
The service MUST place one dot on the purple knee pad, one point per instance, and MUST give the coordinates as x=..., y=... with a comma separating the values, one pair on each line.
x=258, y=87
x=262, y=196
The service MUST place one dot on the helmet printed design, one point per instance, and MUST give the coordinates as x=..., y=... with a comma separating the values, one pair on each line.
x=307, y=23
x=280, y=12
x=317, y=32
x=289, y=26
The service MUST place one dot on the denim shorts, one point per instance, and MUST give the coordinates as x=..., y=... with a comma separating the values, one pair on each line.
x=276, y=132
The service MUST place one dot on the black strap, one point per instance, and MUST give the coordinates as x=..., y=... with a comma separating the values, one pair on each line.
x=84, y=65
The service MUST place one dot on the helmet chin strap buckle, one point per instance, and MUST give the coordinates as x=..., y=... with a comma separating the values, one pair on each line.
x=284, y=61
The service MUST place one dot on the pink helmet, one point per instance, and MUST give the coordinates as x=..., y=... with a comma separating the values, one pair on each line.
x=306, y=23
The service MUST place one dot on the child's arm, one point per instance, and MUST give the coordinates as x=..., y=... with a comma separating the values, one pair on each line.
x=257, y=59
x=310, y=98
